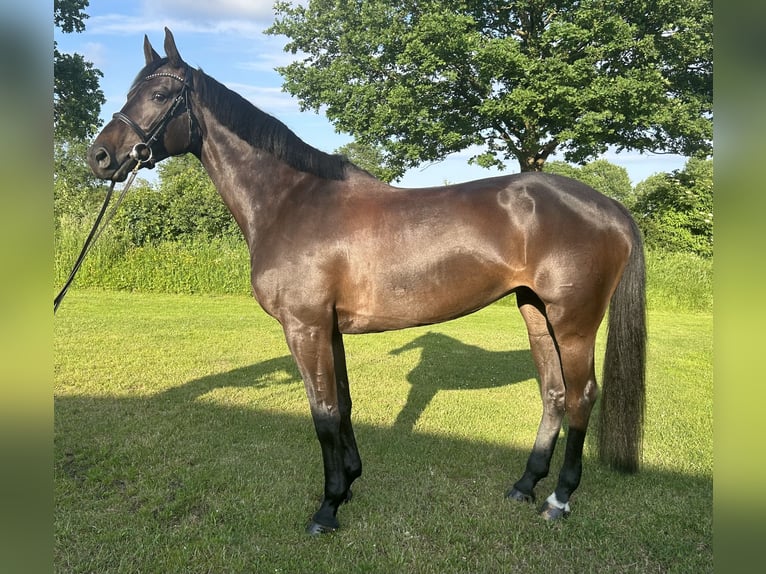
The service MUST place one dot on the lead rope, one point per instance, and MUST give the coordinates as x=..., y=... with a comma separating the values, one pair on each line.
x=96, y=231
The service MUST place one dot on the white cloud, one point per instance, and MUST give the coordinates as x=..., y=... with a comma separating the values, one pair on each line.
x=261, y=10
x=237, y=17
x=267, y=61
x=126, y=25
x=271, y=100
x=206, y=11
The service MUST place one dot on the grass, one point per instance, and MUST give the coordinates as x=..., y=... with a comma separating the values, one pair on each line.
x=183, y=444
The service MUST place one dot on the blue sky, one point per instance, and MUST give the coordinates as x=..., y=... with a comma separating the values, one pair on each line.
x=225, y=38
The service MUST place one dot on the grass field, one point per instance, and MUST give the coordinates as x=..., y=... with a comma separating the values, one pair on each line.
x=183, y=444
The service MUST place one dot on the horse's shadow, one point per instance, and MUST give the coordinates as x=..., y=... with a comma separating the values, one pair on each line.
x=447, y=364
x=277, y=371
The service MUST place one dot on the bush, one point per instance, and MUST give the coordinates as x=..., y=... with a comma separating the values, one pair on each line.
x=186, y=207
x=675, y=210
x=68, y=238
x=218, y=266
x=675, y=281
x=213, y=266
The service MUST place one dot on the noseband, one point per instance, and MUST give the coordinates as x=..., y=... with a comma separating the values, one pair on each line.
x=142, y=152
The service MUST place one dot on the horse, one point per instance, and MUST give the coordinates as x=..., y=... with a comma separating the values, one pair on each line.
x=335, y=251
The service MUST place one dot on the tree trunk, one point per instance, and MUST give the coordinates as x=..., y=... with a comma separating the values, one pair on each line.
x=535, y=163
x=531, y=163
x=534, y=159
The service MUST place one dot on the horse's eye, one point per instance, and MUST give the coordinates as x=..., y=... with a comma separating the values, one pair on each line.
x=159, y=97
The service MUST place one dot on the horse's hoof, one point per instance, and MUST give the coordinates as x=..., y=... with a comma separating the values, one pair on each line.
x=516, y=494
x=552, y=513
x=315, y=529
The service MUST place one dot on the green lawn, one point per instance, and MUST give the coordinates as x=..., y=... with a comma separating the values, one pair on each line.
x=183, y=444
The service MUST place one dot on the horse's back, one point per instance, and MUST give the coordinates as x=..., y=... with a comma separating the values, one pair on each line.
x=387, y=258
x=428, y=255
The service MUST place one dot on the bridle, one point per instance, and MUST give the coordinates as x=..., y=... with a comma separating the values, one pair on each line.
x=142, y=152
x=143, y=155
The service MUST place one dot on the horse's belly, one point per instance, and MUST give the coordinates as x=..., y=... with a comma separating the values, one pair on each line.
x=401, y=299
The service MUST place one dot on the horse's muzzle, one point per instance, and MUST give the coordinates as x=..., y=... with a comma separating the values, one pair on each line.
x=104, y=166
x=101, y=162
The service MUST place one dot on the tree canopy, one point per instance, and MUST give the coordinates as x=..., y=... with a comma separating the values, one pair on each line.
x=369, y=157
x=601, y=175
x=77, y=97
x=522, y=80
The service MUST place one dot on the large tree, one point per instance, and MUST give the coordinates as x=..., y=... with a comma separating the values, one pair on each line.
x=77, y=101
x=77, y=98
x=521, y=79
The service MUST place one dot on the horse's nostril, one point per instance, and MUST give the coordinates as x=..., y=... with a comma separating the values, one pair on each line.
x=102, y=157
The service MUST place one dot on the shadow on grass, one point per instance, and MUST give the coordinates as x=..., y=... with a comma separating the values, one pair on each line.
x=143, y=481
x=445, y=364
x=259, y=375
x=449, y=364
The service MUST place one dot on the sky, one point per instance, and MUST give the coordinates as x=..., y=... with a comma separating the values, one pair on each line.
x=226, y=39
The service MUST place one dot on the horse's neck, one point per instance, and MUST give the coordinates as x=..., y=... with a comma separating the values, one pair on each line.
x=251, y=181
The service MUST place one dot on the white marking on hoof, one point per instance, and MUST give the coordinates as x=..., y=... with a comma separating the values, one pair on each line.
x=553, y=501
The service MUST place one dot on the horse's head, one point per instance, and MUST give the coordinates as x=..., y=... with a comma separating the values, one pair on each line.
x=156, y=121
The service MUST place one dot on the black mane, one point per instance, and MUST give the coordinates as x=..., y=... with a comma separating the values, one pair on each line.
x=265, y=131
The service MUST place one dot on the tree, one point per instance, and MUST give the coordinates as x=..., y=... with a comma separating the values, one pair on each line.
x=368, y=157
x=77, y=101
x=77, y=193
x=184, y=207
x=675, y=210
x=522, y=79
x=77, y=98
x=609, y=179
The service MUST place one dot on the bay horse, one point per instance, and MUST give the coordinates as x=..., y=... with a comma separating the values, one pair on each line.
x=334, y=251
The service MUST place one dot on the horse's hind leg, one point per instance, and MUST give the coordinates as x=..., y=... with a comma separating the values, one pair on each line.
x=552, y=392
x=576, y=352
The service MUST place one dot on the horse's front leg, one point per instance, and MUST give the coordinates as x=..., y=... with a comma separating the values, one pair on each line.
x=318, y=352
x=352, y=462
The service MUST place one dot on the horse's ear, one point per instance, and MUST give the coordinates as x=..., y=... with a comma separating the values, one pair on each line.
x=170, y=49
x=149, y=52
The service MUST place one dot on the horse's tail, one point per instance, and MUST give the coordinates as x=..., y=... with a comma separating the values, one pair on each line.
x=621, y=425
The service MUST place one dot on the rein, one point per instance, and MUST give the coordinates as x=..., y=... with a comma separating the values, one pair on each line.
x=96, y=231
x=142, y=154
